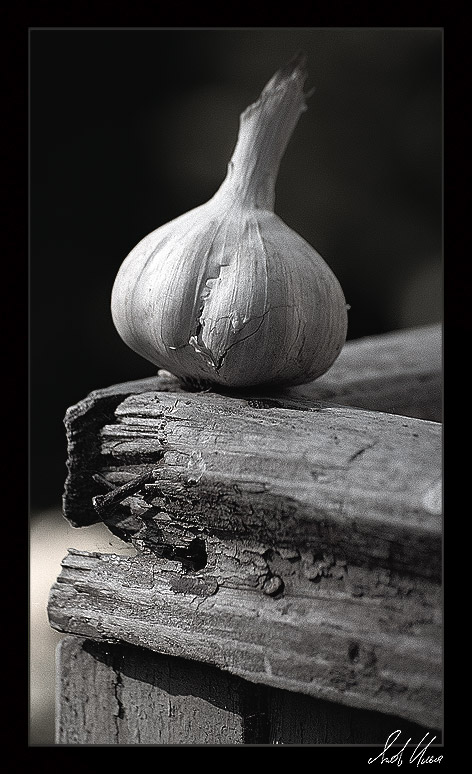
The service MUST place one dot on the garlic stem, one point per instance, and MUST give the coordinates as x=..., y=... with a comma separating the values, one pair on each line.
x=264, y=131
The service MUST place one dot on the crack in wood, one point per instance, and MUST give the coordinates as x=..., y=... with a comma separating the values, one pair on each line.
x=354, y=648
x=362, y=451
x=117, y=692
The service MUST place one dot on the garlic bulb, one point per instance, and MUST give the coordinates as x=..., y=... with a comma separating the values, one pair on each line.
x=227, y=293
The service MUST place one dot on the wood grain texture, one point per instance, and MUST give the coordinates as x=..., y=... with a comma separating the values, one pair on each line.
x=364, y=484
x=295, y=719
x=134, y=696
x=398, y=373
x=114, y=694
x=363, y=638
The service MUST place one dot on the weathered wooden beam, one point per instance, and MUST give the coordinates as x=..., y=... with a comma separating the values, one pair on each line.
x=115, y=694
x=135, y=696
x=398, y=373
x=323, y=627
x=365, y=484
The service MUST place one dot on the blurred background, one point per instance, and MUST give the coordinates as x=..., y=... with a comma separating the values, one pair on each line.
x=131, y=128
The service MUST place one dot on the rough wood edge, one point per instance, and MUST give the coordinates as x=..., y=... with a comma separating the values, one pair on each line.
x=345, y=504
x=392, y=372
x=373, y=650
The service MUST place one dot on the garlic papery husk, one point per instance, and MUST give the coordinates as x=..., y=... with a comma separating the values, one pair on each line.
x=227, y=293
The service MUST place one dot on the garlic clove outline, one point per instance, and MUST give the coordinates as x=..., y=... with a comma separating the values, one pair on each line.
x=227, y=294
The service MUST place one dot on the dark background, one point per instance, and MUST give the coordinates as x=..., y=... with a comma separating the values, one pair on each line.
x=131, y=128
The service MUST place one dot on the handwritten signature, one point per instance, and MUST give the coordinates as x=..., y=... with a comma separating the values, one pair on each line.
x=419, y=754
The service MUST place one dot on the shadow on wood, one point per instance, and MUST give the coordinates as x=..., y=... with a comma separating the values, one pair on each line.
x=134, y=696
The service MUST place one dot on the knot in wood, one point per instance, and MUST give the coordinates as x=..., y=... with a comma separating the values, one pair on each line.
x=273, y=585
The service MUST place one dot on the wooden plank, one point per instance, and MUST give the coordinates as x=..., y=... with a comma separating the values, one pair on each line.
x=116, y=694
x=364, y=638
x=111, y=693
x=301, y=720
x=398, y=373
x=364, y=484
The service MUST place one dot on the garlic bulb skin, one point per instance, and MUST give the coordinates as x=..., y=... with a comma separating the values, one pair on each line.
x=227, y=293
